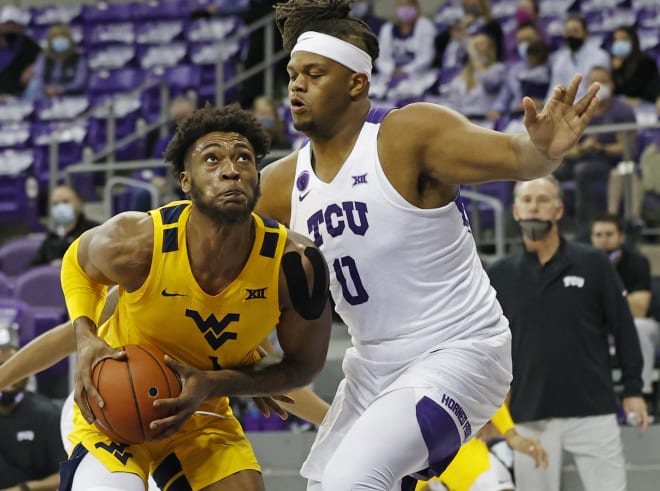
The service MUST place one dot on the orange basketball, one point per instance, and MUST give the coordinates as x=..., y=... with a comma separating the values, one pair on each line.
x=128, y=388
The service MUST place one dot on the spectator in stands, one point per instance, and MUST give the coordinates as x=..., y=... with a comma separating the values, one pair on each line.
x=30, y=444
x=579, y=55
x=364, y=10
x=60, y=69
x=67, y=222
x=563, y=300
x=527, y=13
x=529, y=76
x=608, y=233
x=265, y=110
x=18, y=52
x=592, y=162
x=476, y=18
x=474, y=90
x=635, y=73
x=406, y=51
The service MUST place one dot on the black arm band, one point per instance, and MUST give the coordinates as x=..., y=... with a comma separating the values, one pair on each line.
x=24, y=486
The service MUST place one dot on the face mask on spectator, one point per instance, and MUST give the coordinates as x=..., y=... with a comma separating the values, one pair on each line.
x=621, y=48
x=523, y=16
x=604, y=92
x=63, y=213
x=359, y=9
x=522, y=50
x=267, y=121
x=574, y=43
x=484, y=59
x=535, y=229
x=60, y=44
x=406, y=13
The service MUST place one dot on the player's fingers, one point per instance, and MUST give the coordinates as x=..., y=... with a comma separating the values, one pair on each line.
x=284, y=398
x=587, y=100
x=276, y=408
x=530, y=111
x=81, y=399
x=176, y=366
x=572, y=89
x=643, y=418
x=262, y=406
x=119, y=355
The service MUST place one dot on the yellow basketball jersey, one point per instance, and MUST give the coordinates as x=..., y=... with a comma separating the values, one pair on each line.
x=172, y=311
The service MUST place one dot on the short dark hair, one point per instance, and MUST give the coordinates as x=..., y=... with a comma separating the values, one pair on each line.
x=209, y=119
x=528, y=24
x=580, y=19
x=331, y=17
x=609, y=218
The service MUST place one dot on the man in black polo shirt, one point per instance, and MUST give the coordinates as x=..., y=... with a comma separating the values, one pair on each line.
x=563, y=300
x=30, y=442
x=608, y=233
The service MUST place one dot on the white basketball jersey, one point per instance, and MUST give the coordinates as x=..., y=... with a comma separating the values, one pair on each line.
x=405, y=280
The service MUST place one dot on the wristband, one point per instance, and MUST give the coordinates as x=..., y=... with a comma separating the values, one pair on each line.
x=502, y=419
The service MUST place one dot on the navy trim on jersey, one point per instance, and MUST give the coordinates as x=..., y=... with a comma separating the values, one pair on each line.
x=167, y=470
x=268, y=222
x=269, y=245
x=170, y=239
x=171, y=214
x=68, y=467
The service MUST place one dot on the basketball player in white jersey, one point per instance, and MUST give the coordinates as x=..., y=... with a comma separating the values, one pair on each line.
x=378, y=193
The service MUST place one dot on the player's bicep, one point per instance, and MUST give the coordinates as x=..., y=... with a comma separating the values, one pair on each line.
x=276, y=184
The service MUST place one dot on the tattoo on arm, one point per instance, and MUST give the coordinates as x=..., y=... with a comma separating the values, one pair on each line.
x=309, y=307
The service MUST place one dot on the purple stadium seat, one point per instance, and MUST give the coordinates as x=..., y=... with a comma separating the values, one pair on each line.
x=162, y=55
x=110, y=57
x=502, y=190
x=6, y=286
x=159, y=32
x=120, y=32
x=215, y=29
x=127, y=110
x=108, y=12
x=115, y=81
x=14, y=135
x=56, y=14
x=15, y=255
x=61, y=108
x=17, y=315
x=70, y=136
x=40, y=287
x=162, y=9
x=15, y=110
x=180, y=79
x=18, y=191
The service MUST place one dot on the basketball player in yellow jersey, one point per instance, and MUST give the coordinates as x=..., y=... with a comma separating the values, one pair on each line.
x=206, y=281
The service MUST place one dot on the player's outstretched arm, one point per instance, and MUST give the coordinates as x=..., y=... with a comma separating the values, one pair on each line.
x=48, y=348
x=453, y=150
x=303, y=334
x=116, y=252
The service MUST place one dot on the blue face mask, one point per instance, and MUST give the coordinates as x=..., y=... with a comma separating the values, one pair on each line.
x=60, y=44
x=621, y=48
x=267, y=121
x=522, y=50
x=63, y=213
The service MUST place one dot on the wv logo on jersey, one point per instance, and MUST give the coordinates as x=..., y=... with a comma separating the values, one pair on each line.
x=213, y=329
x=576, y=281
x=259, y=293
x=116, y=449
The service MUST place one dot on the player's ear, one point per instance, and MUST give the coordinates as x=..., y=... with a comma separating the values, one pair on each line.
x=184, y=180
x=358, y=84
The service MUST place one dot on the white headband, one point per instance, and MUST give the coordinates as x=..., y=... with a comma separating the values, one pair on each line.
x=334, y=48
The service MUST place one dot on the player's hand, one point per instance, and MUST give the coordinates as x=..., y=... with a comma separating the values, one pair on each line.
x=528, y=446
x=559, y=125
x=637, y=406
x=270, y=404
x=89, y=351
x=197, y=385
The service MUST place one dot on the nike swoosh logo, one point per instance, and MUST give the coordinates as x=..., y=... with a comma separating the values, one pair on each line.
x=165, y=293
x=303, y=196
